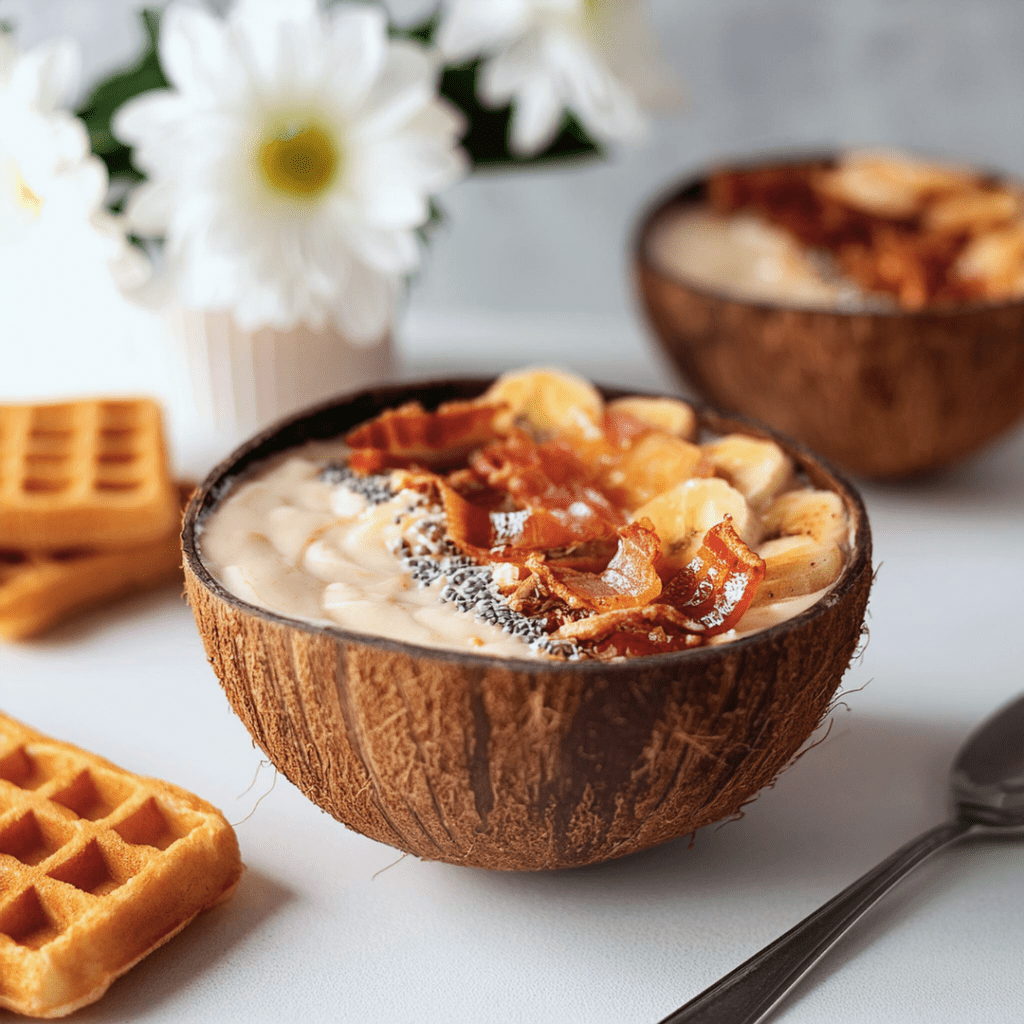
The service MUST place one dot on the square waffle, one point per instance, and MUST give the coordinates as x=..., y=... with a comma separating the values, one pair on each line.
x=98, y=867
x=83, y=474
x=40, y=588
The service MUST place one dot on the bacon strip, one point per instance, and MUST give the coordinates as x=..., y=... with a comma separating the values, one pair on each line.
x=598, y=627
x=630, y=581
x=716, y=587
x=551, y=475
x=492, y=536
x=410, y=435
x=628, y=643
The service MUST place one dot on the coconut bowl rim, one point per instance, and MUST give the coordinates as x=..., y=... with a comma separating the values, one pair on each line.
x=684, y=189
x=241, y=465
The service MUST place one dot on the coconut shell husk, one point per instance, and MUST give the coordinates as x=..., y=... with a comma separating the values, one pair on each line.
x=882, y=394
x=520, y=763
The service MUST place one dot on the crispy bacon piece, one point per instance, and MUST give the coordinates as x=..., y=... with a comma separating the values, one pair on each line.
x=630, y=581
x=629, y=643
x=595, y=628
x=496, y=536
x=551, y=476
x=469, y=526
x=410, y=435
x=593, y=556
x=716, y=587
x=479, y=492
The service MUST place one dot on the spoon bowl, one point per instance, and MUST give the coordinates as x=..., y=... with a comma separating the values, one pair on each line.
x=987, y=778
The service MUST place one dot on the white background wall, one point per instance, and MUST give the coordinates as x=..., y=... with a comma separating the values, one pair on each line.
x=539, y=259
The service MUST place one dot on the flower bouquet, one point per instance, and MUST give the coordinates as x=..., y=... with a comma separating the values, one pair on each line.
x=279, y=166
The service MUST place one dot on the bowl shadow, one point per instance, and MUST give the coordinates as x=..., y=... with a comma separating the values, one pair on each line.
x=119, y=613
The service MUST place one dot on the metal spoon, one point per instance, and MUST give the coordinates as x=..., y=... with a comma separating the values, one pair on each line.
x=986, y=792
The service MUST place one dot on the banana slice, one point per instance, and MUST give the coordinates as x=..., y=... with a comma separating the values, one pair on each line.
x=654, y=464
x=683, y=514
x=972, y=212
x=889, y=184
x=796, y=565
x=819, y=515
x=550, y=400
x=668, y=414
x=758, y=469
x=996, y=255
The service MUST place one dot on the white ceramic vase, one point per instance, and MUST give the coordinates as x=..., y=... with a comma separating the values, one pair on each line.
x=229, y=383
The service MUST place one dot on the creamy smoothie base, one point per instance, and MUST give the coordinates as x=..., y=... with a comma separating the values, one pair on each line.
x=310, y=539
x=306, y=540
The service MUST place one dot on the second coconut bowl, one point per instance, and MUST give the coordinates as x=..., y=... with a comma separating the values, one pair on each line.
x=880, y=393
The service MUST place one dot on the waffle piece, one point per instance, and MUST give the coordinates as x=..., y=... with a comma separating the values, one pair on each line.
x=98, y=867
x=39, y=589
x=83, y=474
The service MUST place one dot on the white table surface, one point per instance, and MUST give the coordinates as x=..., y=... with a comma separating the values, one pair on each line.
x=330, y=926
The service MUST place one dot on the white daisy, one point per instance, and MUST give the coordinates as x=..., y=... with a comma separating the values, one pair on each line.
x=51, y=187
x=291, y=163
x=43, y=148
x=595, y=58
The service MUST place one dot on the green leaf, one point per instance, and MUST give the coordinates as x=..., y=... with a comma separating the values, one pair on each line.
x=423, y=33
x=112, y=93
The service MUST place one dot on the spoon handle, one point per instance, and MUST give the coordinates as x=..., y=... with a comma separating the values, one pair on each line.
x=749, y=993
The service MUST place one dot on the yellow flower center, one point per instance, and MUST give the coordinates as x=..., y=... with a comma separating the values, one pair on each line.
x=24, y=196
x=299, y=161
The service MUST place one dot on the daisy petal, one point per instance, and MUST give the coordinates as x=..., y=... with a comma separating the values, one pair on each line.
x=536, y=118
x=358, y=45
x=386, y=251
x=278, y=40
x=439, y=119
x=601, y=102
x=193, y=50
x=149, y=209
x=51, y=187
x=147, y=116
x=47, y=76
x=471, y=27
x=508, y=73
x=405, y=85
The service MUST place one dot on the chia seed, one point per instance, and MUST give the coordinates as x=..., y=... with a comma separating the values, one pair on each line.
x=375, y=489
x=432, y=558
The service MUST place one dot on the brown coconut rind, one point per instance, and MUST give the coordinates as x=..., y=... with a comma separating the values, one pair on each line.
x=521, y=763
x=883, y=394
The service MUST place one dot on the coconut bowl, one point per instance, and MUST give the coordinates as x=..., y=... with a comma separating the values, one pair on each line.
x=519, y=763
x=882, y=393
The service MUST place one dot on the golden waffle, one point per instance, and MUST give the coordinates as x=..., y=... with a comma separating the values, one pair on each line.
x=98, y=867
x=39, y=589
x=83, y=474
